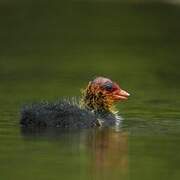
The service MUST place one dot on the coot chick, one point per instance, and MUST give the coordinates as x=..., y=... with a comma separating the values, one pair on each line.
x=94, y=108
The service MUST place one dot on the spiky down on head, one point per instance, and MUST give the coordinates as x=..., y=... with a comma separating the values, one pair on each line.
x=101, y=94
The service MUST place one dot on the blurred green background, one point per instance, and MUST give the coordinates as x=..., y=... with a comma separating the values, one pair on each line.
x=51, y=49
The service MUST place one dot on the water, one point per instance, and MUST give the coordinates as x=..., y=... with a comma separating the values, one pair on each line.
x=52, y=49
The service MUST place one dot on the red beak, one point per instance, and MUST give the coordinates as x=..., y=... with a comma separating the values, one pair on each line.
x=121, y=95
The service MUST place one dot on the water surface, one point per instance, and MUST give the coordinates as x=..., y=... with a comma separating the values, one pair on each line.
x=52, y=49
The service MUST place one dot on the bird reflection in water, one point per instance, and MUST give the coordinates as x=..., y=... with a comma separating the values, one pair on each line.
x=105, y=150
x=109, y=154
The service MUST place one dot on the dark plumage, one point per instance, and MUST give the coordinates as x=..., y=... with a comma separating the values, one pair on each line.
x=58, y=114
x=93, y=109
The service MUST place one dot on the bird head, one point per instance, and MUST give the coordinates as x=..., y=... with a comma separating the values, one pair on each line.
x=102, y=93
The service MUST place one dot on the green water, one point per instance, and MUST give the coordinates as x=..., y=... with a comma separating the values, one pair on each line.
x=50, y=49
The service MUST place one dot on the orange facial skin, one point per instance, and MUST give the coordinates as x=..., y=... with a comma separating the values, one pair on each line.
x=102, y=93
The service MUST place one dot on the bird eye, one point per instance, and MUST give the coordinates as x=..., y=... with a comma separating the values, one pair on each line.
x=108, y=86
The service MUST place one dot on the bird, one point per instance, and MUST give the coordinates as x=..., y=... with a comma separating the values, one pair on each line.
x=94, y=108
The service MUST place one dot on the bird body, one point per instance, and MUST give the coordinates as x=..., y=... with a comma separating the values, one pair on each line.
x=94, y=109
